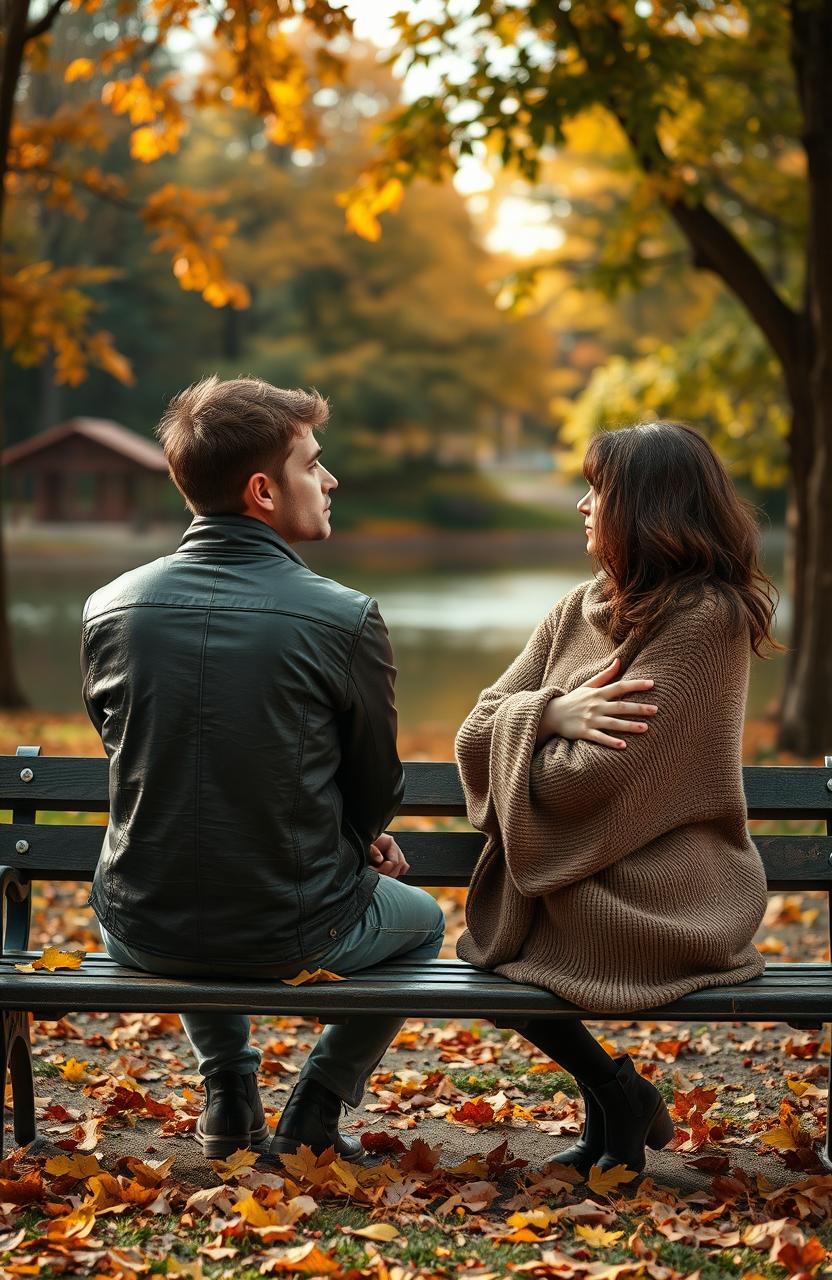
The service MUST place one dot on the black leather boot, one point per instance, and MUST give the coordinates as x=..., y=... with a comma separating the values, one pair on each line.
x=311, y=1117
x=634, y=1116
x=233, y=1115
x=589, y=1148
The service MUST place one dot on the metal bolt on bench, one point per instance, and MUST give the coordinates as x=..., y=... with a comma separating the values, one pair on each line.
x=799, y=993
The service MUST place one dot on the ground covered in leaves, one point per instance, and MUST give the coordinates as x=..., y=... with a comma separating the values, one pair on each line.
x=465, y=1122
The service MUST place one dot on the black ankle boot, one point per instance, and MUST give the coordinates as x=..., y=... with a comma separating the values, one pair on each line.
x=634, y=1116
x=589, y=1148
x=311, y=1117
x=233, y=1115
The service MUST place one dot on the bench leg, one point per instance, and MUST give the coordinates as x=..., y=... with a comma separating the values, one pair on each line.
x=16, y=1060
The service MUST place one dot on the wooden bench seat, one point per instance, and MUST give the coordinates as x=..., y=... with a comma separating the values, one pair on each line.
x=799, y=994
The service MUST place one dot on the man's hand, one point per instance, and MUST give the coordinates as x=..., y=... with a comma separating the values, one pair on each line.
x=596, y=711
x=387, y=857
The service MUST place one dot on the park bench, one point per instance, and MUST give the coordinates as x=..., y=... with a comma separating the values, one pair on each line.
x=799, y=994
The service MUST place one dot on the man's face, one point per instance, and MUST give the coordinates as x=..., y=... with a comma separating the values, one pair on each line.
x=302, y=499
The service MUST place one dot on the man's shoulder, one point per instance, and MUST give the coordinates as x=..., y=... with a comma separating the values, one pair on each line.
x=128, y=588
x=325, y=600
x=280, y=586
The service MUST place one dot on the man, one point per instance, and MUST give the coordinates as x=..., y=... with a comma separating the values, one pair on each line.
x=246, y=708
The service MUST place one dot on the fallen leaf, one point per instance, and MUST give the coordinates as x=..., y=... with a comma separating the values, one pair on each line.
x=74, y=1070
x=73, y=1166
x=51, y=959
x=376, y=1231
x=602, y=1181
x=598, y=1237
x=306, y=1257
x=306, y=976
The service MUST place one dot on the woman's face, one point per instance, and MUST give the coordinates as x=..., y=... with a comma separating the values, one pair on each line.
x=588, y=507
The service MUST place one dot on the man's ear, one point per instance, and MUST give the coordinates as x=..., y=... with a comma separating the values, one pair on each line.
x=256, y=495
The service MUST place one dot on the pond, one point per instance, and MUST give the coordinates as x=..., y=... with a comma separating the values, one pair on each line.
x=454, y=627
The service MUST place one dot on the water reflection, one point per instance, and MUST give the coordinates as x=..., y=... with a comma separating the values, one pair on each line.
x=453, y=629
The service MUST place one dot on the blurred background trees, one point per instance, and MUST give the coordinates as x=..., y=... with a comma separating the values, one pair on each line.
x=608, y=218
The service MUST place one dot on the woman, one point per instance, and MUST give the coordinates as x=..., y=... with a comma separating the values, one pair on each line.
x=618, y=871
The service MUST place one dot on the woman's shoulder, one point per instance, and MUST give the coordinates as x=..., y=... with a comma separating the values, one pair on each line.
x=709, y=614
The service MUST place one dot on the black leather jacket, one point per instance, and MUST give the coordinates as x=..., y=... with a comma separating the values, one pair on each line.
x=246, y=707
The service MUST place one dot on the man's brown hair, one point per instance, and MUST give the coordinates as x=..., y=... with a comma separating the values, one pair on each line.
x=217, y=434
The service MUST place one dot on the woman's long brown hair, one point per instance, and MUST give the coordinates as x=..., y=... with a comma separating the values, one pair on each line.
x=669, y=524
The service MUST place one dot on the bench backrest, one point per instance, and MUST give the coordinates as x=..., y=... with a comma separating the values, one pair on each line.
x=31, y=784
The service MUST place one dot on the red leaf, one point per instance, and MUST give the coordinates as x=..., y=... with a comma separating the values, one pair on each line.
x=382, y=1142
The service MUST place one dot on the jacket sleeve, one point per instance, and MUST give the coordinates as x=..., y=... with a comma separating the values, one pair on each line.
x=94, y=712
x=518, y=687
x=370, y=776
x=574, y=808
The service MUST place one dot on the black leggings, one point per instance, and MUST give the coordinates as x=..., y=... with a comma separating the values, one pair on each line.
x=568, y=1042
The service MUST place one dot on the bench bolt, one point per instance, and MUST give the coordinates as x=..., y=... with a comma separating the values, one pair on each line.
x=22, y=846
x=829, y=784
x=26, y=775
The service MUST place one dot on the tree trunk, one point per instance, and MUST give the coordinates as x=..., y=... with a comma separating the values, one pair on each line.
x=806, y=723
x=14, y=14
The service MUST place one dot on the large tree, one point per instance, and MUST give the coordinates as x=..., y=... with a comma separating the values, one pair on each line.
x=251, y=57
x=716, y=99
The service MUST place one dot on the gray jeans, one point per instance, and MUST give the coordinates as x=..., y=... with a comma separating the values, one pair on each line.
x=400, y=920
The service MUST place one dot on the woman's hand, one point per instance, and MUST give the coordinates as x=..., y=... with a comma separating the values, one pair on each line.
x=595, y=711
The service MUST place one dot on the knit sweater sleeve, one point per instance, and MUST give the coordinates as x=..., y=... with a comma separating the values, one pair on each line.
x=572, y=809
x=519, y=687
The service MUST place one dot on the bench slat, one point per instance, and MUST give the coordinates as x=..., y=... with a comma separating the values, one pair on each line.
x=433, y=788
x=445, y=989
x=437, y=858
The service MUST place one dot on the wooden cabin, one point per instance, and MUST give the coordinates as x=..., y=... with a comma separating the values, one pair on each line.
x=87, y=469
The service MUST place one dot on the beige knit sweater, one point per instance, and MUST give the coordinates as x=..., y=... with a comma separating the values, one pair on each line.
x=618, y=879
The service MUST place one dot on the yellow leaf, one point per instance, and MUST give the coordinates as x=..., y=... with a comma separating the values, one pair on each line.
x=79, y=69
x=73, y=1166
x=236, y=1163
x=306, y=1257
x=377, y=1231
x=74, y=1070
x=602, y=1181
x=781, y=1138
x=598, y=1237
x=804, y=1088
x=252, y=1212
x=75, y=1225
x=147, y=145
x=52, y=959
x=316, y=975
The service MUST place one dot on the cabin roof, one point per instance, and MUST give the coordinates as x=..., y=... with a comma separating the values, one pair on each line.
x=110, y=435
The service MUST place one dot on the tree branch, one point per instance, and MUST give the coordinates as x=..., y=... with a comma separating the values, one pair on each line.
x=715, y=248
x=40, y=27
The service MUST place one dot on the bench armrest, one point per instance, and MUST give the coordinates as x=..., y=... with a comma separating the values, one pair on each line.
x=16, y=899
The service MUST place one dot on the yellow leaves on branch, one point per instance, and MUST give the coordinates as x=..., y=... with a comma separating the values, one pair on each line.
x=45, y=309
x=79, y=69
x=153, y=109
x=186, y=228
x=364, y=204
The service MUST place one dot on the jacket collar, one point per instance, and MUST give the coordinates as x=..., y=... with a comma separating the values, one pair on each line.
x=234, y=535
